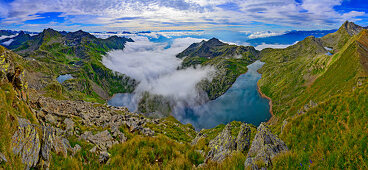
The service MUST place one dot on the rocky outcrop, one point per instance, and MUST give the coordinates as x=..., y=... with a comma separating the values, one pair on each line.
x=2, y=158
x=265, y=146
x=200, y=135
x=103, y=140
x=243, y=139
x=307, y=107
x=224, y=144
x=26, y=143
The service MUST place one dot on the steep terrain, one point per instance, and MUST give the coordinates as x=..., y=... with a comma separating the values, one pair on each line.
x=52, y=53
x=319, y=100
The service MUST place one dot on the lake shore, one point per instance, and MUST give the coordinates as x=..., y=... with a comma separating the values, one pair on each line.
x=269, y=103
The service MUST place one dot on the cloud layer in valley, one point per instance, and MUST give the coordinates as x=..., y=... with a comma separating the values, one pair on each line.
x=154, y=65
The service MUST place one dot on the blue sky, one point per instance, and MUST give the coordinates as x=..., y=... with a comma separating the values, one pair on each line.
x=136, y=15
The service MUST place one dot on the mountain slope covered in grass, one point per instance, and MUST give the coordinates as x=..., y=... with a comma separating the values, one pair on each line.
x=320, y=101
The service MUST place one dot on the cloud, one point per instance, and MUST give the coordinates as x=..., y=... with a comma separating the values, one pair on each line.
x=155, y=65
x=278, y=46
x=264, y=34
x=7, y=43
x=188, y=14
x=7, y=36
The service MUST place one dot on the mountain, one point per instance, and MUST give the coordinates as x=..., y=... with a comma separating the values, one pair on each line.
x=320, y=100
x=229, y=61
x=42, y=132
x=339, y=38
x=16, y=41
x=52, y=53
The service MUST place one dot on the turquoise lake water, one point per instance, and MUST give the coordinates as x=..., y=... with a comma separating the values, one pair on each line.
x=241, y=102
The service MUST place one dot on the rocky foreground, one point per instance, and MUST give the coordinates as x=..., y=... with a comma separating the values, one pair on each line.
x=54, y=129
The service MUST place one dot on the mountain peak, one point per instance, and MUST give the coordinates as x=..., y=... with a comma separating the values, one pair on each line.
x=351, y=28
x=214, y=42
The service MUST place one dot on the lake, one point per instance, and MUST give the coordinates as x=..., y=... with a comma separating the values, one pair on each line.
x=242, y=102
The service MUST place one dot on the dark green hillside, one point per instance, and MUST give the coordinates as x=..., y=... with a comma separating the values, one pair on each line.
x=77, y=53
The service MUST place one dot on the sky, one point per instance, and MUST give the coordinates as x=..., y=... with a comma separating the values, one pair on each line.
x=139, y=15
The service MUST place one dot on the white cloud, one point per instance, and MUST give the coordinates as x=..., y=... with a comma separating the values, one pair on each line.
x=182, y=14
x=264, y=34
x=276, y=46
x=155, y=67
x=7, y=43
x=7, y=36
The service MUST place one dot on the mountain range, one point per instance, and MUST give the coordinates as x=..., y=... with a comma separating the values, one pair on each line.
x=318, y=88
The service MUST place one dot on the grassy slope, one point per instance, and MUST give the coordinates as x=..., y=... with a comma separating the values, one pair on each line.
x=333, y=134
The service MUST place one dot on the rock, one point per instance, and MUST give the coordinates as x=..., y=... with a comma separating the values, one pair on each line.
x=222, y=145
x=264, y=147
x=103, y=140
x=243, y=139
x=284, y=123
x=26, y=143
x=2, y=158
x=199, y=136
x=51, y=119
x=147, y=132
x=104, y=156
x=76, y=149
x=69, y=124
x=93, y=150
x=118, y=135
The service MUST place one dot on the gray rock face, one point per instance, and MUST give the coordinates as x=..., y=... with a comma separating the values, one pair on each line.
x=199, y=136
x=243, y=139
x=147, y=132
x=222, y=145
x=103, y=140
x=76, y=149
x=26, y=143
x=264, y=147
x=2, y=158
x=104, y=156
x=69, y=124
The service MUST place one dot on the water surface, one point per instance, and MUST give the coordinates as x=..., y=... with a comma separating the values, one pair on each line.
x=242, y=102
x=63, y=78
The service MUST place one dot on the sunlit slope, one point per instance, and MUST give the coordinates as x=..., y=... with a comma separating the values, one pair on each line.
x=320, y=104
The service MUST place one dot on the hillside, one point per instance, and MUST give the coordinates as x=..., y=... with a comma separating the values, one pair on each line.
x=52, y=53
x=319, y=100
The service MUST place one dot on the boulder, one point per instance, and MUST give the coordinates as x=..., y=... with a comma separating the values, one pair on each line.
x=243, y=139
x=222, y=145
x=104, y=157
x=147, y=132
x=2, y=158
x=265, y=146
x=199, y=136
x=26, y=143
x=103, y=140
x=76, y=149
x=69, y=124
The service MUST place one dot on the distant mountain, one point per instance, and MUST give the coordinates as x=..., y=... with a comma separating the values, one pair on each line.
x=289, y=37
x=78, y=53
